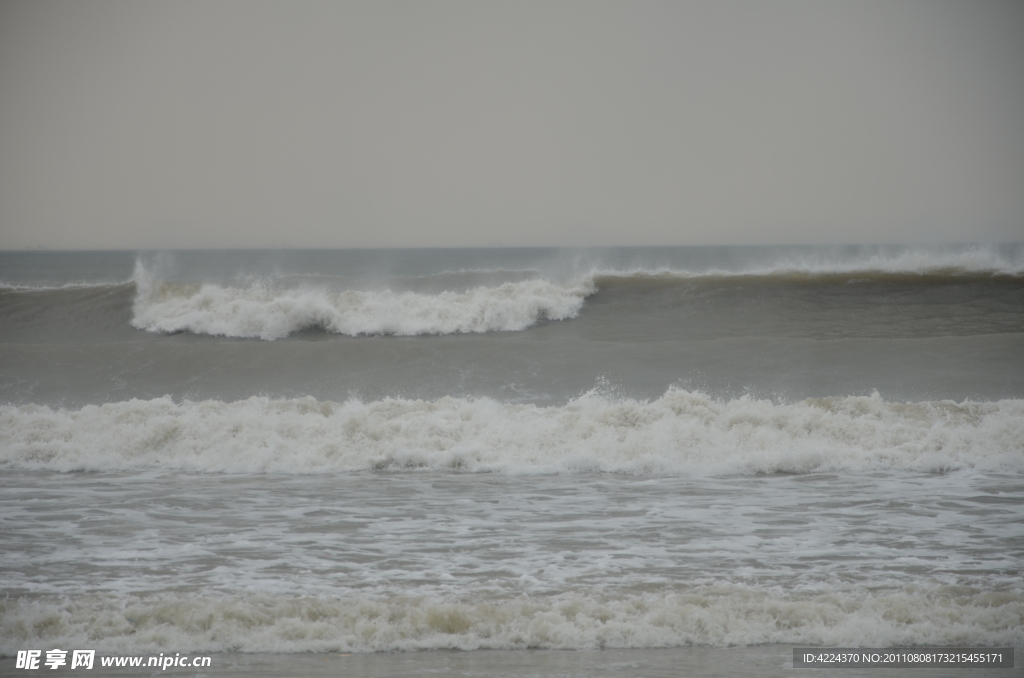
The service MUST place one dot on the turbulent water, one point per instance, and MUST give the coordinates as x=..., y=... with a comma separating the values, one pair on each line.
x=359, y=451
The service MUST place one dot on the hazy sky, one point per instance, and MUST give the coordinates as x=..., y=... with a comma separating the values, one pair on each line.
x=353, y=124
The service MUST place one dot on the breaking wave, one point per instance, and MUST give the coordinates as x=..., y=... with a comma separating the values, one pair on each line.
x=972, y=262
x=680, y=433
x=477, y=302
x=709, y=615
x=268, y=313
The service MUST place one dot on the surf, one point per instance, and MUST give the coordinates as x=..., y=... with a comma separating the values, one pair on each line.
x=265, y=312
x=679, y=434
x=715, y=615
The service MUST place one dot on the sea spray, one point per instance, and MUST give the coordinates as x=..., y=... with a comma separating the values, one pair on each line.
x=682, y=432
x=265, y=312
x=272, y=307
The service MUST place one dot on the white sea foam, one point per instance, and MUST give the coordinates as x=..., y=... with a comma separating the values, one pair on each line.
x=975, y=262
x=5, y=287
x=272, y=313
x=264, y=309
x=709, y=615
x=681, y=432
x=971, y=261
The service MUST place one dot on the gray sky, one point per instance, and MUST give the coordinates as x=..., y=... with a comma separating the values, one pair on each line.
x=342, y=124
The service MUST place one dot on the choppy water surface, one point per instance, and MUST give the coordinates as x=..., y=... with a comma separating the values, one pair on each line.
x=363, y=451
x=401, y=561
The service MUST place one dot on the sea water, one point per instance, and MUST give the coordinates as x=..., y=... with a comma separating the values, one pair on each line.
x=298, y=458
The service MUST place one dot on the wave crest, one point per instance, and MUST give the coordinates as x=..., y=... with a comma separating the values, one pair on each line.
x=679, y=433
x=490, y=300
x=267, y=313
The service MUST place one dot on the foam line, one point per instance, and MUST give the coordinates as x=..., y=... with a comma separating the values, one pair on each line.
x=710, y=615
x=679, y=433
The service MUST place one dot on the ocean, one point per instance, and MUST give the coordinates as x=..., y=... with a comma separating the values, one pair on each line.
x=631, y=461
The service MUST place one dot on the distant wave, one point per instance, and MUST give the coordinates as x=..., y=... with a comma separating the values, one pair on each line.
x=680, y=433
x=707, y=615
x=974, y=263
x=982, y=261
x=5, y=287
x=267, y=313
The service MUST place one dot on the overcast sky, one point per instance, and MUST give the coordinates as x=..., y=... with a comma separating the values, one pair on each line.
x=406, y=124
